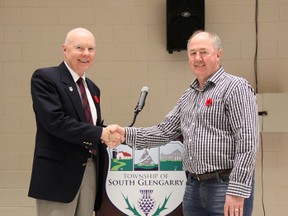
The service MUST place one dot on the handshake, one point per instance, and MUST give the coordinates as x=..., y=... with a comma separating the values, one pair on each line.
x=113, y=135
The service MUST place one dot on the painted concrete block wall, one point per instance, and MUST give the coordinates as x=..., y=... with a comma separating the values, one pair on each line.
x=131, y=53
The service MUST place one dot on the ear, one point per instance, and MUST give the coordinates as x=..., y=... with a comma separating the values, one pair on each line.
x=219, y=53
x=64, y=47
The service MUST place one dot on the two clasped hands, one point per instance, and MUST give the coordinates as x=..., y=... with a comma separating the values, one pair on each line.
x=113, y=135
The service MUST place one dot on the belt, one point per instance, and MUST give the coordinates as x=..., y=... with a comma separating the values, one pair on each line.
x=210, y=175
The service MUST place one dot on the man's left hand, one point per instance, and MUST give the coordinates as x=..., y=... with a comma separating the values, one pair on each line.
x=233, y=206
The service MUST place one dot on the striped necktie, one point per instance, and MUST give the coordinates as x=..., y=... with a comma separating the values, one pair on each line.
x=86, y=106
x=85, y=102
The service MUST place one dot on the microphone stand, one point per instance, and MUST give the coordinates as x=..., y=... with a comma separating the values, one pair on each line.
x=136, y=112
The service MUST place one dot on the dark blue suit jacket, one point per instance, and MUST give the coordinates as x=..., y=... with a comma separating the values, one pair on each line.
x=63, y=137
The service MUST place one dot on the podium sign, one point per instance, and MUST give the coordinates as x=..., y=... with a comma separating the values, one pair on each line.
x=146, y=182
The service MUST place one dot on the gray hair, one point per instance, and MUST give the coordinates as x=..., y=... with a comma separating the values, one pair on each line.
x=214, y=38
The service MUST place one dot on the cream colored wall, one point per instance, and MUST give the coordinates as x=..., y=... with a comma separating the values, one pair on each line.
x=131, y=53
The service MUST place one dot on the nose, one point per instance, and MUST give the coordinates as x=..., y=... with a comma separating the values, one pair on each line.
x=85, y=51
x=198, y=55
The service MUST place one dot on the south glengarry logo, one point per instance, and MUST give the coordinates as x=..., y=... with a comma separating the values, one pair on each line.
x=148, y=182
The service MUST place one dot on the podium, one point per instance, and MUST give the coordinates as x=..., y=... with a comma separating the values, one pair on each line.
x=146, y=182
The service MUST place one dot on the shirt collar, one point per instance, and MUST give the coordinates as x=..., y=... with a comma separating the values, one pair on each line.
x=74, y=74
x=212, y=80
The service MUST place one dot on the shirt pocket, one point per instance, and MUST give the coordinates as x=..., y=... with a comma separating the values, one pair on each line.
x=213, y=114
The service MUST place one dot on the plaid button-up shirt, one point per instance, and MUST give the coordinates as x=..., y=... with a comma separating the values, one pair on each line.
x=219, y=125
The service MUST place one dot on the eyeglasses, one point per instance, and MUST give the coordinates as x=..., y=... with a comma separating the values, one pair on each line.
x=83, y=49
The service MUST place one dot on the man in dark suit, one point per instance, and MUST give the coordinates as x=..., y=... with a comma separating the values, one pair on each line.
x=69, y=146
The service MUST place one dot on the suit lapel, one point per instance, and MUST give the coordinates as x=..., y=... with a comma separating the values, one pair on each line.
x=72, y=92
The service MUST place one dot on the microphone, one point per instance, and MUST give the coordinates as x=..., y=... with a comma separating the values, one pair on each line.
x=142, y=98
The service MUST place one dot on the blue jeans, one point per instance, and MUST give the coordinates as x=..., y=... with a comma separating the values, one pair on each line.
x=207, y=198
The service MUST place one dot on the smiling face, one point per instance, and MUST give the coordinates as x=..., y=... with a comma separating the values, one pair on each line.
x=79, y=50
x=204, y=56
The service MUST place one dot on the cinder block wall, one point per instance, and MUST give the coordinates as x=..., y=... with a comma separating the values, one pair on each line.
x=131, y=53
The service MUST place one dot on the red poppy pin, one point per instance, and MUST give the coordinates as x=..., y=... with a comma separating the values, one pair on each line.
x=208, y=102
x=96, y=99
